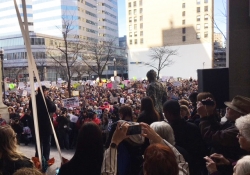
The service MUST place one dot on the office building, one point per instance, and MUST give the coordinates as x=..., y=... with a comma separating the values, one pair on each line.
x=184, y=25
x=88, y=21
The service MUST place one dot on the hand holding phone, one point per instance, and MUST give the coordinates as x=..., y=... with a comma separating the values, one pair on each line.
x=134, y=129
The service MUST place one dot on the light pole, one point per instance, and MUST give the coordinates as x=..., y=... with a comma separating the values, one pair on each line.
x=115, y=73
x=3, y=107
x=1, y=55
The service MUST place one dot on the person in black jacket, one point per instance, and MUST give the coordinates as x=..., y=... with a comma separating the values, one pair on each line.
x=44, y=118
x=63, y=129
x=187, y=135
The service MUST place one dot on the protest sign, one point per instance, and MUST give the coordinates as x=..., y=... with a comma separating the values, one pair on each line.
x=121, y=100
x=70, y=102
x=75, y=93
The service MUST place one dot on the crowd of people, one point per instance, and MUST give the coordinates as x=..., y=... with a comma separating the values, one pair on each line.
x=149, y=127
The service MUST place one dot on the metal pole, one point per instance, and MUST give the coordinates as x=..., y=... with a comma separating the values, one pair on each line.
x=1, y=54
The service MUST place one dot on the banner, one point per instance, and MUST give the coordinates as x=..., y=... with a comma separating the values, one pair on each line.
x=70, y=102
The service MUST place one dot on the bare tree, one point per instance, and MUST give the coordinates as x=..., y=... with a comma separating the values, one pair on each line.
x=67, y=51
x=162, y=57
x=99, y=54
x=223, y=16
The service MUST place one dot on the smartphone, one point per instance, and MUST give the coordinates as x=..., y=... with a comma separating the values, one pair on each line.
x=207, y=102
x=134, y=129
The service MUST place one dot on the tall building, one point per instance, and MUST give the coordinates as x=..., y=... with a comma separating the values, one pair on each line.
x=89, y=20
x=218, y=42
x=184, y=25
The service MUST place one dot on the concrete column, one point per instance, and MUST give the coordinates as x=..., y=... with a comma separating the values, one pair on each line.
x=239, y=47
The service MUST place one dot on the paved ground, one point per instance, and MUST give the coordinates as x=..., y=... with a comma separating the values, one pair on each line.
x=29, y=151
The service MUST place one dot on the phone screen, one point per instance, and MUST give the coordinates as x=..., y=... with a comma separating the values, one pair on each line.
x=134, y=129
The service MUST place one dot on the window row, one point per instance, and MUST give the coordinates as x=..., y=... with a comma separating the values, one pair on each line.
x=199, y=1
x=134, y=3
x=135, y=18
x=205, y=17
x=135, y=27
x=135, y=41
x=198, y=26
x=135, y=11
x=135, y=34
x=198, y=35
x=198, y=9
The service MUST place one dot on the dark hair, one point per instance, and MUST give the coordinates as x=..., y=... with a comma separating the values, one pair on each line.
x=193, y=95
x=89, y=148
x=160, y=160
x=204, y=95
x=151, y=75
x=172, y=107
x=126, y=111
x=148, y=107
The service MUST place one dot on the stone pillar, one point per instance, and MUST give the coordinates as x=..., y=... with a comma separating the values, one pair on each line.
x=238, y=46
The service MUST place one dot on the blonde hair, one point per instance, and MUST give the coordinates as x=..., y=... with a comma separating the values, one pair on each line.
x=243, y=125
x=186, y=109
x=28, y=171
x=243, y=166
x=8, y=146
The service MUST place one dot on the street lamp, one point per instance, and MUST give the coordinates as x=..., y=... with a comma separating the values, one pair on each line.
x=115, y=73
x=1, y=55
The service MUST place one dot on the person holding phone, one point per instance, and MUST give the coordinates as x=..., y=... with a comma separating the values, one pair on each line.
x=222, y=137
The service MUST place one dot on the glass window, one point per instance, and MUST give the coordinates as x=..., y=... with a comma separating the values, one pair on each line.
x=198, y=35
x=130, y=19
x=141, y=18
x=206, y=25
x=130, y=34
x=141, y=26
x=205, y=34
x=135, y=34
x=135, y=41
x=183, y=5
x=129, y=12
x=130, y=27
x=206, y=8
x=141, y=40
x=206, y=17
x=135, y=26
x=183, y=30
x=198, y=9
x=141, y=33
x=130, y=41
x=205, y=1
x=183, y=38
x=135, y=11
x=183, y=13
x=198, y=18
x=198, y=1
x=198, y=26
x=140, y=2
x=134, y=3
x=183, y=21
x=129, y=4
x=135, y=19
x=141, y=10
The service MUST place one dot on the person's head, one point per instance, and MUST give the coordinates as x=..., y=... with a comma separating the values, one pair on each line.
x=147, y=105
x=184, y=102
x=125, y=113
x=28, y=171
x=8, y=146
x=11, y=110
x=193, y=98
x=184, y=111
x=243, y=166
x=171, y=109
x=89, y=147
x=44, y=89
x=243, y=125
x=239, y=106
x=159, y=160
x=151, y=75
x=164, y=130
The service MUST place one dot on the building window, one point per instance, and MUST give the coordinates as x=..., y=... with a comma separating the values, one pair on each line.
x=135, y=41
x=198, y=10
x=135, y=19
x=135, y=26
x=183, y=5
x=141, y=26
x=206, y=17
x=141, y=18
x=183, y=30
x=135, y=11
x=130, y=27
x=205, y=1
x=206, y=25
x=183, y=21
x=135, y=34
x=183, y=38
x=129, y=12
x=140, y=2
x=198, y=18
x=205, y=34
x=129, y=4
x=130, y=34
x=206, y=8
x=141, y=33
x=198, y=2
x=134, y=3
x=183, y=13
x=198, y=26
x=141, y=10
x=198, y=35
x=141, y=40
x=130, y=19
x=130, y=42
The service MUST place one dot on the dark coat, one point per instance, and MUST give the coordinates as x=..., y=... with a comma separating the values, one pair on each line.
x=43, y=116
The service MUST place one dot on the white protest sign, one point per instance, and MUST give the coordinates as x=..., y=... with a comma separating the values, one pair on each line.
x=121, y=100
x=130, y=91
x=70, y=102
x=25, y=93
x=75, y=93
x=21, y=85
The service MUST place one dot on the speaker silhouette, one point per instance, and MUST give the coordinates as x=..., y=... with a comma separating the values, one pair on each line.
x=215, y=81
